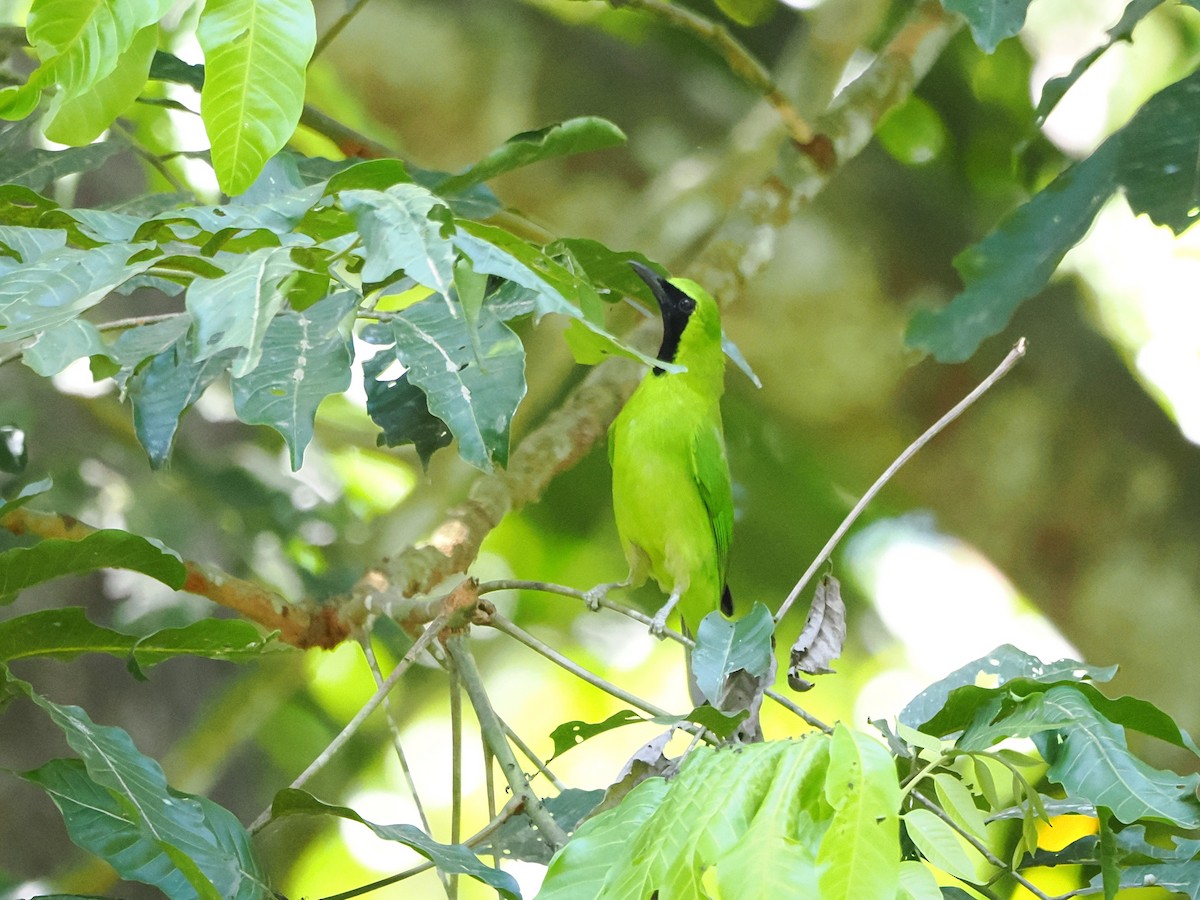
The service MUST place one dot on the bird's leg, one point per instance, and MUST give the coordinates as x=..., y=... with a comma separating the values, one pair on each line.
x=593, y=597
x=659, y=622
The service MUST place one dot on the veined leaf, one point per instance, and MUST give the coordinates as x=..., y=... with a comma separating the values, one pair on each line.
x=572, y=734
x=59, y=285
x=306, y=356
x=399, y=234
x=452, y=858
x=66, y=633
x=942, y=845
x=35, y=168
x=561, y=139
x=80, y=118
x=163, y=389
x=724, y=648
x=476, y=398
x=22, y=567
x=61, y=345
x=255, y=54
x=234, y=310
x=30, y=244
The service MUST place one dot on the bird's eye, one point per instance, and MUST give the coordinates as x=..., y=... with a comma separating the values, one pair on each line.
x=689, y=305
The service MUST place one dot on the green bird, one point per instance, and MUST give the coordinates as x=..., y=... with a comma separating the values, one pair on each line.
x=671, y=489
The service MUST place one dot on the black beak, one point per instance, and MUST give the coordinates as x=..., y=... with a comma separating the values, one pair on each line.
x=673, y=304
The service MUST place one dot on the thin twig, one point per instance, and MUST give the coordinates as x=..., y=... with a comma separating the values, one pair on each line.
x=980, y=846
x=537, y=761
x=790, y=706
x=1000, y=371
x=741, y=61
x=335, y=29
x=460, y=651
x=456, y=761
x=430, y=632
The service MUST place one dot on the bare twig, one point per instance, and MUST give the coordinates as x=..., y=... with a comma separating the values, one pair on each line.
x=489, y=724
x=937, y=427
x=336, y=28
x=456, y=761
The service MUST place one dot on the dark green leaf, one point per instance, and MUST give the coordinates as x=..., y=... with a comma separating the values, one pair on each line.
x=572, y=136
x=747, y=12
x=453, y=858
x=372, y=175
x=107, y=549
x=14, y=455
x=991, y=21
x=36, y=168
x=476, y=398
x=26, y=494
x=572, y=734
x=306, y=356
x=168, y=67
x=136, y=345
x=1055, y=88
x=1110, y=873
x=144, y=829
x=401, y=410
x=724, y=648
x=163, y=390
x=1003, y=664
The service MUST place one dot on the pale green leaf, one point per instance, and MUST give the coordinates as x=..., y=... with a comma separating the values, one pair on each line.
x=234, y=310
x=255, y=54
x=958, y=803
x=917, y=882
x=991, y=21
x=80, y=118
x=942, y=845
x=61, y=345
x=399, y=233
x=724, y=648
x=306, y=356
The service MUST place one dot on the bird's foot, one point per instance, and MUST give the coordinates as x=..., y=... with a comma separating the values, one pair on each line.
x=659, y=623
x=593, y=597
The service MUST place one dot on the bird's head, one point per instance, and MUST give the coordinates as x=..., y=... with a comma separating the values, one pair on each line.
x=689, y=313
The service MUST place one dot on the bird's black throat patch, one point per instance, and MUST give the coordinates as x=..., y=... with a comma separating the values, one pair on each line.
x=676, y=308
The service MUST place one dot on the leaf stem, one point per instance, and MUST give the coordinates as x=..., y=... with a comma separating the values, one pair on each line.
x=937, y=427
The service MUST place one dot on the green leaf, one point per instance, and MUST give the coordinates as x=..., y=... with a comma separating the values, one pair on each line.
x=942, y=845
x=35, y=168
x=31, y=490
x=138, y=344
x=168, y=67
x=59, y=285
x=80, y=118
x=234, y=310
x=255, y=55
x=917, y=882
x=400, y=409
x=959, y=804
x=1088, y=756
x=29, y=244
x=1002, y=665
x=115, y=825
x=860, y=853
x=475, y=398
x=1056, y=88
x=724, y=648
x=399, y=233
x=22, y=567
x=519, y=839
x=452, y=858
x=306, y=356
x=66, y=633
x=579, y=135
x=61, y=345
x=991, y=21
x=572, y=734
x=165, y=388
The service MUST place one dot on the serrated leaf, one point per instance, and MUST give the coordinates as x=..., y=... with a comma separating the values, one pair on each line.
x=61, y=345
x=452, y=858
x=1056, y=88
x=475, y=398
x=579, y=135
x=306, y=356
x=59, y=285
x=163, y=389
x=725, y=648
x=1002, y=665
x=78, y=118
x=991, y=21
x=234, y=310
x=399, y=233
x=820, y=641
x=255, y=55
x=22, y=567
x=66, y=633
x=217, y=857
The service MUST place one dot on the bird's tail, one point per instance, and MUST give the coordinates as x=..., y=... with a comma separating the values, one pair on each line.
x=727, y=601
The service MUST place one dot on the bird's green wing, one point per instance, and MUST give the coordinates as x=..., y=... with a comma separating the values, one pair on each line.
x=712, y=476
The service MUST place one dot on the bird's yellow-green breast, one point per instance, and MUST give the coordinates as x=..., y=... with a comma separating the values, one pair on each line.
x=671, y=487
